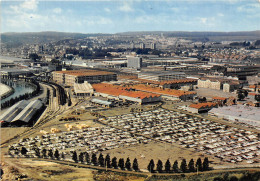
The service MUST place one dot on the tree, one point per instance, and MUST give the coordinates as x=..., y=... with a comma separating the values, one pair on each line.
x=75, y=157
x=175, y=167
x=62, y=156
x=114, y=163
x=81, y=157
x=101, y=160
x=24, y=151
x=107, y=161
x=150, y=166
x=135, y=165
x=33, y=56
x=233, y=178
x=44, y=151
x=128, y=164
x=121, y=163
x=159, y=166
x=87, y=159
x=50, y=154
x=206, y=164
x=199, y=165
x=94, y=159
x=257, y=98
x=191, y=166
x=56, y=154
x=37, y=152
x=168, y=166
x=183, y=166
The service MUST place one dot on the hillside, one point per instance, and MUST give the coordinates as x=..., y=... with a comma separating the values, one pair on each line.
x=16, y=39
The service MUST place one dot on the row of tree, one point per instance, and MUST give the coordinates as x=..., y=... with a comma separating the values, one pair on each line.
x=184, y=168
x=102, y=161
x=105, y=162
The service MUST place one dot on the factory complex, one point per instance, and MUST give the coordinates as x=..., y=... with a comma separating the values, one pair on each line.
x=69, y=77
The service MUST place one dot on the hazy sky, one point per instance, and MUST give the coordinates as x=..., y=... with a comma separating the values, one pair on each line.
x=130, y=15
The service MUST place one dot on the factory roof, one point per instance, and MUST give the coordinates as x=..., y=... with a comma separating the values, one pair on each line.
x=98, y=101
x=177, y=81
x=239, y=112
x=161, y=73
x=29, y=111
x=84, y=72
x=13, y=111
x=118, y=90
x=219, y=98
x=203, y=105
x=83, y=88
x=172, y=92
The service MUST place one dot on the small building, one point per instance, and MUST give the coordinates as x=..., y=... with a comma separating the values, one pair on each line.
x=103, y=103
x=134, y=62
x=220, y=100
x=202, y=107
x=84, y=89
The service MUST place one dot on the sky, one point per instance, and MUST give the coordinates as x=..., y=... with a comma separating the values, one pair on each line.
x=108, y=16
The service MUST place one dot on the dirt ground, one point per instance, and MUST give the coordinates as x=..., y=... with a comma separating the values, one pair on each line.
x=43, y=170
x=154, y=150
x=209, y=93
x=8, y=132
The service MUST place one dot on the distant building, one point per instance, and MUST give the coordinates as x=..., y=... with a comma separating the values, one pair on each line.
x=134, y=62
x=227, y=85
x=153, y=46
x=161, y=76
x=70, y=77
x=142, y=45
x=123, y=93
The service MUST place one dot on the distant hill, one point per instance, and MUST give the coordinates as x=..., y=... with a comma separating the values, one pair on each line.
x=16, y=39
x=197, y=36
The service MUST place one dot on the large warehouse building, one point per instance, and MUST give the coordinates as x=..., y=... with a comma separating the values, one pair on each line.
x=70, y=77
x=118, y=92
x=22, y=113
x=239, y=113
x=161, y=76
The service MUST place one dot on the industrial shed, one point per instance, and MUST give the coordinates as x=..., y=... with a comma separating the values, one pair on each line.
x=13, y=111
x=28, y=113
x=102, y=102
x=238, y=113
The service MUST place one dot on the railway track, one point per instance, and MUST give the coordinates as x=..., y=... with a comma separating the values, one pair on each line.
x=54, y=109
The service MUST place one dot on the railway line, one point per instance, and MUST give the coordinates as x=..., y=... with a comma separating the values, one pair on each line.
x=56, y=106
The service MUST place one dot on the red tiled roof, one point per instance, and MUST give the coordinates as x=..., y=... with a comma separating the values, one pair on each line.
x=219, y=98
x=118, y=90
x=202, y=105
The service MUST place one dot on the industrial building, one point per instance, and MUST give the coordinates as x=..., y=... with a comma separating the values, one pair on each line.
x=161, y=76
x=15, y=73
x=84, y=89
x=166, y=93
x=227, y=85
x=238, y=113
x=134, y=62
x=22, y=113
x=118, y=92
x=201, y=107
x=69, y=77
